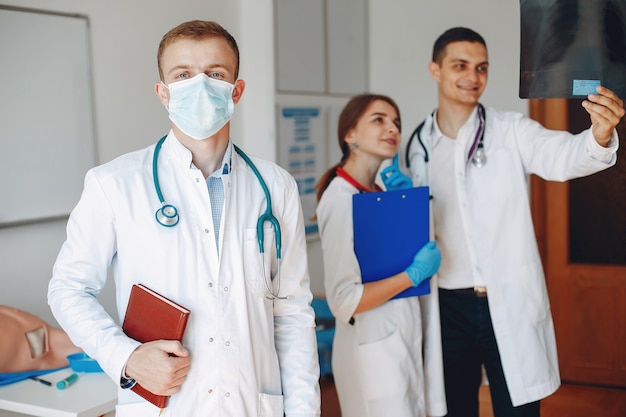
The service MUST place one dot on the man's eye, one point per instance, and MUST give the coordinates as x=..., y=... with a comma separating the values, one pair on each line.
x=214, y=75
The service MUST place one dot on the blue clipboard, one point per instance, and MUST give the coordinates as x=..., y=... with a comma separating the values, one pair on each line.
x=389, y=228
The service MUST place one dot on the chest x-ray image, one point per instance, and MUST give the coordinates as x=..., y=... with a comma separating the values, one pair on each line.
x=568, y=47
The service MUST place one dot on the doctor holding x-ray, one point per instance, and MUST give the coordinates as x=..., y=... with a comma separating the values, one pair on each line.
x=492, y=292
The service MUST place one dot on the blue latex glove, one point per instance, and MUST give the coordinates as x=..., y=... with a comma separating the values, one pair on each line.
x=425, y=264
x=393, y=178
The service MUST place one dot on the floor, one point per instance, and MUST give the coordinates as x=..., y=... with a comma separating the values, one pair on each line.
x=583, y=401
x=568, y=401
x=330, y=404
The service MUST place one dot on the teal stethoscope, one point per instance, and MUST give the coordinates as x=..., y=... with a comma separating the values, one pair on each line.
x=167, y=214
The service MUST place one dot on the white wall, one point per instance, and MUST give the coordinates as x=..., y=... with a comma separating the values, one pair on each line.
x=124, y=40
x=402, y=34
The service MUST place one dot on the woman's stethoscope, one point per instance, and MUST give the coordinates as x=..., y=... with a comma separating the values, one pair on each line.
x=167, y=215
x=476, y=153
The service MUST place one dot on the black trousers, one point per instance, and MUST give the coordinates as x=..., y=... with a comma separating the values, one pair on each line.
x=468, y=343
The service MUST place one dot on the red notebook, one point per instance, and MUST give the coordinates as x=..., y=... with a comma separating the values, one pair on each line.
x=150, y=316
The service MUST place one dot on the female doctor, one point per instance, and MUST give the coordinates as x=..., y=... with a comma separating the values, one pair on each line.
x=249, y=348
x=378, y=363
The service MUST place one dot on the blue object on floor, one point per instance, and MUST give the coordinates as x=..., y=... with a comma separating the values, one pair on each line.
x=325, y=331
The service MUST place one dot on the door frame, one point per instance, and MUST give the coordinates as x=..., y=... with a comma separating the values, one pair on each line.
x=565, y=280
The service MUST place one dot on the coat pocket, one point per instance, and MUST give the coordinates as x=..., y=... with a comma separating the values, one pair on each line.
x=140, y=409
x=382, y=367
x=259, y=268
x=271, y=405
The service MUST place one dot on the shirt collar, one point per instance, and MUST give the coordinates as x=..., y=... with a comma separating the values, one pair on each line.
x=226, y=162
x=471, y=123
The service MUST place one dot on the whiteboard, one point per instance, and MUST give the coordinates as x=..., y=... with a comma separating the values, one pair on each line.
x=47, y=139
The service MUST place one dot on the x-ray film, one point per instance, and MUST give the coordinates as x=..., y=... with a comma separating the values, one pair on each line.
x=568, y=47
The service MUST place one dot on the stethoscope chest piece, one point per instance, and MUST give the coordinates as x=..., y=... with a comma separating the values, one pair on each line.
x=480, y=158
x=167, y=215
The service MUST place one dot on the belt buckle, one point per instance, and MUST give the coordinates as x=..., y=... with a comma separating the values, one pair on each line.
x=480, y=291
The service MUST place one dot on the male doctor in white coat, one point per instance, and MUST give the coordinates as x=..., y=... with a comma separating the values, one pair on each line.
x=492, y=293
x=249, y=348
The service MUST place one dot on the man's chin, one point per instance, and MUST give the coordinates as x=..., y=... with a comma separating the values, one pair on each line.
x=470, y=98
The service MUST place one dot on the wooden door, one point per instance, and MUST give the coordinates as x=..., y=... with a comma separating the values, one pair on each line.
x=581, y=231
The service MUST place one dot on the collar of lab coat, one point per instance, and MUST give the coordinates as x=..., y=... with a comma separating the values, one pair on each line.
x=465, y=135
x=183, y=157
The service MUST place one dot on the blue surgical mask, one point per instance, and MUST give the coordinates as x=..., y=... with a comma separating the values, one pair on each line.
x=200, y=106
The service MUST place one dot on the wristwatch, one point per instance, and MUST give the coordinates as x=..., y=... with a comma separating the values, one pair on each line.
x=126, y=382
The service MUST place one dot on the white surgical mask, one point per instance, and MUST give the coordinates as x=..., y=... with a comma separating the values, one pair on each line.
x=200, y=106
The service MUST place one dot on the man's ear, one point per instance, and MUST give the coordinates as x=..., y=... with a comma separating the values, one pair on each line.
x=240, y=85
x=162, y=93
x=434, y=69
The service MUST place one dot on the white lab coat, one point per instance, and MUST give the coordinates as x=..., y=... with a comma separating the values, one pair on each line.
x=389, y=362
x=499, y=232
x=250, y=356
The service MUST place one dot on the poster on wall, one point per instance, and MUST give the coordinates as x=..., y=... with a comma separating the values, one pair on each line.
x=568, y=47
x=302, y=152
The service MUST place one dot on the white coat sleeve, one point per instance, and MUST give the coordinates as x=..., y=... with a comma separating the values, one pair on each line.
x=342, y=274
x=558, y=155
x=79, y=275
x=294, y=318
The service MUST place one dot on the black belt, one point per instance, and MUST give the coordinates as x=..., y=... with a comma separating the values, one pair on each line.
x=478, y=291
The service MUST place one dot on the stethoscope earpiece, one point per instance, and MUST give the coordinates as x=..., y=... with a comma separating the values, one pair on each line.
x=167, y=215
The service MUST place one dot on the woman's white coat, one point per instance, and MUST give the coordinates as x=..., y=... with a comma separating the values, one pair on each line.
x=388, y=363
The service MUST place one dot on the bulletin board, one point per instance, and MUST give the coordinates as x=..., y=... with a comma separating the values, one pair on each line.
x=48, y=141
x=302, y=133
